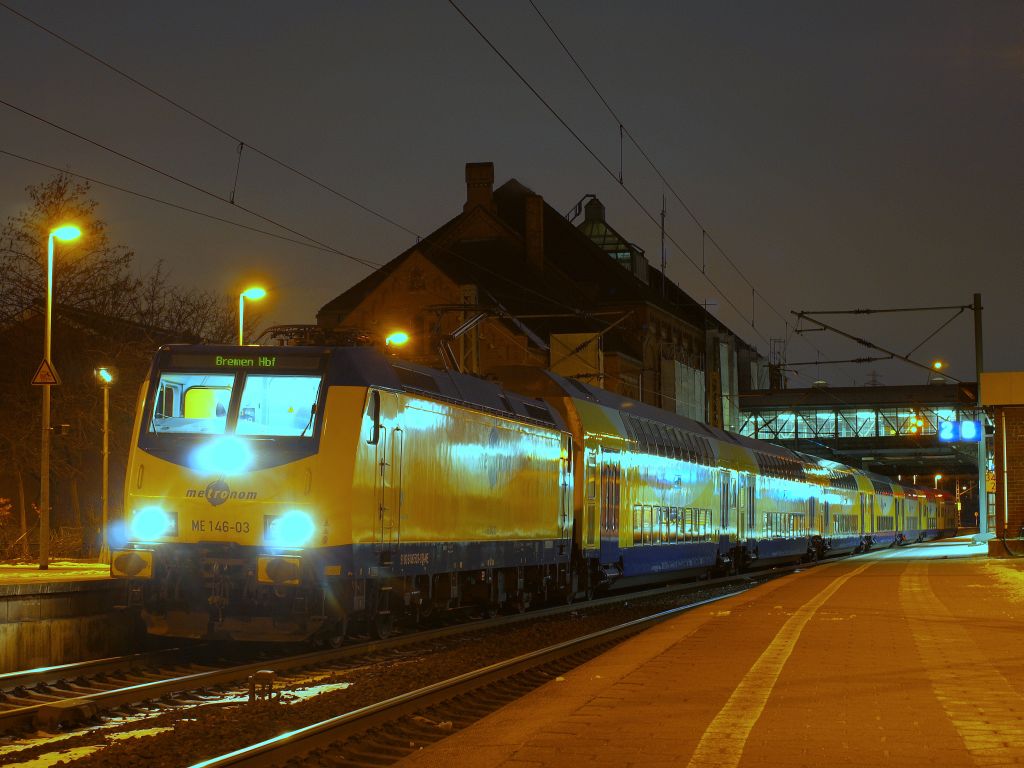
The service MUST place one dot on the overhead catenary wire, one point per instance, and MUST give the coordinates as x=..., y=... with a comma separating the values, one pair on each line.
x=209, y=123
x=371, y=265
x=169, y=204
x=183, y=182
x=600, y=162
x=243, y=145
x=246, y=145
x=705, y=235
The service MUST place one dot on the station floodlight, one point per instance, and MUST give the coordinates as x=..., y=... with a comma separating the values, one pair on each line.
x=396, y=339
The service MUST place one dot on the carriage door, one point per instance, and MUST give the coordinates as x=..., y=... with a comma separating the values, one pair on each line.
x=388, y=491
x=565, y=493
x=866, y=524
x=590, y=507
x=728, y=496
x=744, y=505
x=610, y=496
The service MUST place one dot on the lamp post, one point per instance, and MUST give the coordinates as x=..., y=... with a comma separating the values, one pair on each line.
x=255, y=293
x=937, y=478
x=105, y=377
x=65, y=232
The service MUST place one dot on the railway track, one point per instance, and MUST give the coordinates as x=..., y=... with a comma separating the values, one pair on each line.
x=386, y=732
x=58, y=697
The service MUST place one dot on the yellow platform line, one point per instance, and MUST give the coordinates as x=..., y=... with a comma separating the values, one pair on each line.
x=723, y=741
x=985, y=709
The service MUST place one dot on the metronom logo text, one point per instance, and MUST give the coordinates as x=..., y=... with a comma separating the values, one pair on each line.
x=218, y=492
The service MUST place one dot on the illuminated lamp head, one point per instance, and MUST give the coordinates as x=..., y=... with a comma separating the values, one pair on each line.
x=294, y=528
x=150, y=523
x=223, y=456
x=397, y=339
x=67, y=232
x=254, y=293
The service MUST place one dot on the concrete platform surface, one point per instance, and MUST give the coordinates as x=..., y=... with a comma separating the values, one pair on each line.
x=907, y=657
x=58, y=570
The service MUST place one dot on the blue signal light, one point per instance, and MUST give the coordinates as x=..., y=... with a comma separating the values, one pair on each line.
x=960, y=432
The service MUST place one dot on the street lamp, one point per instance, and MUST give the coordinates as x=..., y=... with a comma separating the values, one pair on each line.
x=105, y=377
x=47, y=378
x=937, y=478
x=255, y=293
x=396, y=339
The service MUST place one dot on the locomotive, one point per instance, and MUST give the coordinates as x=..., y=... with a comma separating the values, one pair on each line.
x=291, y=493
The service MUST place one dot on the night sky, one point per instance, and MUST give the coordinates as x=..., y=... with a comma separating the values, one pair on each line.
x=844, y=155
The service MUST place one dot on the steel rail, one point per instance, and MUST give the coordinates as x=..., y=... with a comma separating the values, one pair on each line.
x=293, y=744
x=47, y=675
x=70, y=701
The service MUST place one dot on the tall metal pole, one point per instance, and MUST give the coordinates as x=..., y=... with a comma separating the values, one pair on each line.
x=104, y=548
x=241, y=311
x=979, y=365
x=44, y=460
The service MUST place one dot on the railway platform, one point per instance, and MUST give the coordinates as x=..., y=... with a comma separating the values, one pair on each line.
x=909, y=657
x=60, y=615
x=58, y=571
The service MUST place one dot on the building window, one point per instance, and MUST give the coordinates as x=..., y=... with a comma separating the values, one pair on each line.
x=416, y=280
x=856, y=424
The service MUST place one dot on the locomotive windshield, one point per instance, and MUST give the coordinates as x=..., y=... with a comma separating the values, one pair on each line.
x=270, y=405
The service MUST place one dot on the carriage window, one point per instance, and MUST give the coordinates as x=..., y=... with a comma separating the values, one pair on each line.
x=276, y=405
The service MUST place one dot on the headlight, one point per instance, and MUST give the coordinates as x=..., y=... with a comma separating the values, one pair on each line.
x=152, y=523
x=226, y=456
x=292, y=529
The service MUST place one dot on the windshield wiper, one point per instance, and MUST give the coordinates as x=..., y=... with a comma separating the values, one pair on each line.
x=312, y=413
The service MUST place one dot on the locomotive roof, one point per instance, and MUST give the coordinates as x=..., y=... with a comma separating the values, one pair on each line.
x=367, y=367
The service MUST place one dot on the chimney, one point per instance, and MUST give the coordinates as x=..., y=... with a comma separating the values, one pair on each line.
x=534, y=234
x=479, y=186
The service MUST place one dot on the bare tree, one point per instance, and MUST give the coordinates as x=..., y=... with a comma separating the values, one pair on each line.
x=104, y=314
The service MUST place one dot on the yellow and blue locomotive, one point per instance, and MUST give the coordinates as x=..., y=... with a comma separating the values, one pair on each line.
x=283, y=493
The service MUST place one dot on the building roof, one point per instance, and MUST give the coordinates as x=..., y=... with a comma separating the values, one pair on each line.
x=963, y=394
x=578, y=278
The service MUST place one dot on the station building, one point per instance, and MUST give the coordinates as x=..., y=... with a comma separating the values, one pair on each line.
x=511, y=281
x=1003, y=394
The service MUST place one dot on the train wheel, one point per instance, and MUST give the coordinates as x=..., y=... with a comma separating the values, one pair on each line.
x=382, y=626
x=336, y=634
x=424, y=611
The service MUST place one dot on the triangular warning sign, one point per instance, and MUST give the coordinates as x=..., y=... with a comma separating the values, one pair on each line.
x=46, y=374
